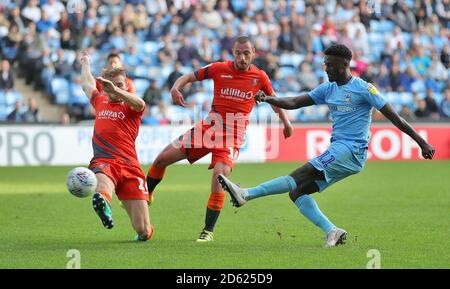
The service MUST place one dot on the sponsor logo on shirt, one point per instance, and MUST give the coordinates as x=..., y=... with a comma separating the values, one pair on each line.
x=226, y=76
x=348, y=98
x=372, y=89
x=235, y=93
x=342, y=108
x=110, y=114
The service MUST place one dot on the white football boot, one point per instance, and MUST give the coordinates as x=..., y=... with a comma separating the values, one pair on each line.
x=239, y=196
x=336, y=237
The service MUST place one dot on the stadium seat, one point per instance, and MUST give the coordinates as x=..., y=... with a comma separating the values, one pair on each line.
x=142, y=71
x=60, y=90
x=141, y=86
x=286, y=71
x=11, y=97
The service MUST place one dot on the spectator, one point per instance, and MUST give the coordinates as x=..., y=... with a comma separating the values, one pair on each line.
x=445, y=104
x=155, y=30
x=407, y=78
x=406, y=113
x=384, y=79
x=395, y=79
x=306, y=77
x=206, y=51
x=302, y=35
x=6, y=77
x=54, y=9
x=15, y=18
x=17, y=114
x=421, y=61
x=153, y=95
x=437, y=71
x=187, y=52
x=140, y=21
x=67, y=41
x=62, y=66
x=65, y=119
x=445, y=56
x=32, y=112
x=31, y=12
x=210, y=17
x=44, y=24
x=286, y=38
x=405, y=18
x=431, y=104
x=422, y=111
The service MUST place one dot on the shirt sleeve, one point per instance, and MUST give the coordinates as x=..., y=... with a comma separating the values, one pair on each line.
x=131, y=87
x=319, y=93
x=94, y=98
x=266, y=86
x=375, y=98
x=207, y=72
x=98, y=85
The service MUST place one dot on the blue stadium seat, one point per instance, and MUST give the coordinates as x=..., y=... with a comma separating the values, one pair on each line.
x=60, y=90
x=142, y=71
x=12, y=96
x=286, y=71
x=141, y=86
x=4, y=111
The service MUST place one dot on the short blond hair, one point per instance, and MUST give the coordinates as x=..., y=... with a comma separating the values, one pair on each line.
x=113, y=72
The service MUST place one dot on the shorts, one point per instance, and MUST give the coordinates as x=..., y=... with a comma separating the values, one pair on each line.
x=202, y=140
x=128, y=178
x=337, y=163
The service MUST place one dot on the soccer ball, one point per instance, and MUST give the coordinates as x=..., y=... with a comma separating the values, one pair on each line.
x=81, y=182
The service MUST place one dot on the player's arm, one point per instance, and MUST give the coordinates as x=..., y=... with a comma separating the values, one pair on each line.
x=134, y=101
x=294, y=102
x=87, y=80
x=177, y=96
x=388, y=111
x=288, y=128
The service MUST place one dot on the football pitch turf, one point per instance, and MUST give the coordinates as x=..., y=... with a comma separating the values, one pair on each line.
x=400, y=209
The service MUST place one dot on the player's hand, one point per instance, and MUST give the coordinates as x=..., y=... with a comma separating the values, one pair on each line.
x=288, y=130
x=85, y=58
x=260, y=96
x=177, y=97
x=427, y=151
x=107, y=85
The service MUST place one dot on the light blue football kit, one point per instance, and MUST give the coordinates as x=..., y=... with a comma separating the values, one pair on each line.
x=350, y=106
x=351, y=111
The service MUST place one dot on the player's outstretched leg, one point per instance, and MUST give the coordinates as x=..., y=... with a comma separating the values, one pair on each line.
x=171, y=154
x=101, y=200
x=140, y=219
x=102, y=206
x=240, y=196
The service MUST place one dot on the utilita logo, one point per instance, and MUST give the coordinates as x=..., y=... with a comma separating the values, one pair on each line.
x=113, y=115
x=235, y=93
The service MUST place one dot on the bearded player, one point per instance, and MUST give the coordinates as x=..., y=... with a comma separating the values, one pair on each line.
x=222, y=133
x=118, y=114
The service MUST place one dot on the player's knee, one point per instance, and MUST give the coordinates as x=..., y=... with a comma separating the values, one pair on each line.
x=295, y=194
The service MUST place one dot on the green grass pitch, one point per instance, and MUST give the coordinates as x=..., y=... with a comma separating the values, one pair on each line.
x=400, y=209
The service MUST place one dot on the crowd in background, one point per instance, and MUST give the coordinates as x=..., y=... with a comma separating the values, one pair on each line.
x=402, y=47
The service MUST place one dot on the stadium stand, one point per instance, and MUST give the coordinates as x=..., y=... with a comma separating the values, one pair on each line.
x=400, y=46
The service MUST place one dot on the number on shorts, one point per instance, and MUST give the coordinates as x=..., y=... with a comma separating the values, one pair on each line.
x=232, y=153
x=142, y=186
